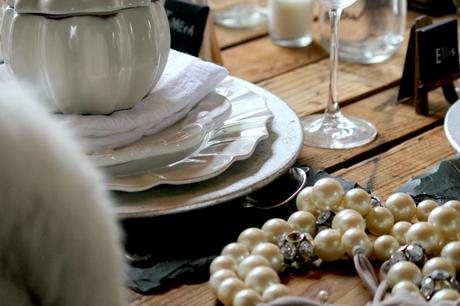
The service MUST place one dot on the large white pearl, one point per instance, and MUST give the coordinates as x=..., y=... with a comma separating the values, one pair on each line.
x=305, y=201
x=251, y=237
x=222, y=262
x=444, y=295
x=260, y=278
x=424, y=233
x=405, y=285
x=250, y=263
x=236, y=250
x=271, y=253
x=275, y=228
x=247, y=297
x=424, y=208
x=327, y=194
x=347, y=221
x=328, y=245
x=218, y=277
x=454, y=204
x=399, y=231
x=228, y=289
x=342, y=214
x=359, y=200
x=385, y=246
x=379, y=221
x=451, y=252
x=404, y=270
x=356, y=238
x=402, y=206
x=447, y=222
x=275, y=291
x=438, y=263
x=303, y=221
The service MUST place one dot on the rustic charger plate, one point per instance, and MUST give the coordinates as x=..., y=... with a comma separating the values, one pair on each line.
x=272, y=157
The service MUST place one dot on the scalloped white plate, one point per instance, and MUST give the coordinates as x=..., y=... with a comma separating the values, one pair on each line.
x=170, y=145
x=272, y=157
x=236, y=139
x=452, y=125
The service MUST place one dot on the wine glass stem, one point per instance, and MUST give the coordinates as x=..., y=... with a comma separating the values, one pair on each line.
x=332, y=108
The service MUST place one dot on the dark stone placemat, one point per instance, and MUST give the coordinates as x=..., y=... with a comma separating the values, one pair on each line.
x=178, y=249
x=441, y=183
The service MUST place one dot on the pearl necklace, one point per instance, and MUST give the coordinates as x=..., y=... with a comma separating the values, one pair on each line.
x=331, y=225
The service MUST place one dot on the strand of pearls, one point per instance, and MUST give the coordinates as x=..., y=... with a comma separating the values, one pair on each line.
x=330, y=224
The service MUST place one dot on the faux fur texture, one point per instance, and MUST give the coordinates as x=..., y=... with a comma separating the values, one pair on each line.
x=59, y=244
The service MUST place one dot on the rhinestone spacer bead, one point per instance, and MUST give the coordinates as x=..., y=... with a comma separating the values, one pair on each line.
x=297, y=249
x=324, y=220
x=437, y=281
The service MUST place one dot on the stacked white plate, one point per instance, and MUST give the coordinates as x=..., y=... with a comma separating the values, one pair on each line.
x=191, y=164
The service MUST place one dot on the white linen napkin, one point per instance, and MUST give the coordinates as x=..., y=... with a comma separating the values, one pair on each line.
x=185, y=82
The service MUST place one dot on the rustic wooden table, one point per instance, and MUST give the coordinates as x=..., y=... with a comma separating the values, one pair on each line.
x=407, y=143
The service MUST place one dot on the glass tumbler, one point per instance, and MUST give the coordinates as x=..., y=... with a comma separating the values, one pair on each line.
x=370, y=30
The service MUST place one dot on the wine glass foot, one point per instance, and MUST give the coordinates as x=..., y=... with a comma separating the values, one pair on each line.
x=337, y=131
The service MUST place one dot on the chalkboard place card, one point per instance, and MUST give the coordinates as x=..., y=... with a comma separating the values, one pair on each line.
x=432, y=61
x=187, y=22
x=432, y=7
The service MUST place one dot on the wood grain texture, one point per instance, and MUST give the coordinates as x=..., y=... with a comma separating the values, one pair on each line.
x=385, y=172
x=230, y=37
x=394, y=122
x=306, y=89
x=261, y=59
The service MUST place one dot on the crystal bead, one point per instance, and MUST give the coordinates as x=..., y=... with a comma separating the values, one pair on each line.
x=414, y=252
x=437, y=281
x=375, y=201
x=297, y=249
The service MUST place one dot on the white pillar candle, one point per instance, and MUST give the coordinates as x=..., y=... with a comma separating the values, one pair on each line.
x=290, y=20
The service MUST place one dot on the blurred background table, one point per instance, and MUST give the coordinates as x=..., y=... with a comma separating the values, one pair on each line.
x=407, y=144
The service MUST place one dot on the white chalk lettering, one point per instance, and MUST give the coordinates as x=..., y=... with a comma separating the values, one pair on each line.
x=438, y=56
x=181, y=26
x=444, y=53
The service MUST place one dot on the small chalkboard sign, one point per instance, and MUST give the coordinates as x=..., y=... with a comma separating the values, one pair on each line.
x=432, y=61
x=432, y=7
x=187, y=22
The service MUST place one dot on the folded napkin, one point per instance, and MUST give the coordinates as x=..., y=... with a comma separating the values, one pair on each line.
x=185, y=81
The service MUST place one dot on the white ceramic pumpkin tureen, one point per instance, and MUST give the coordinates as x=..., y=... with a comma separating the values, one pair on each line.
x=86, y=57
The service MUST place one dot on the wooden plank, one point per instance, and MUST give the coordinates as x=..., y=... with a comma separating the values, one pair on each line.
x=306, y=89
x=192, y=295
x=393, y=121
x=385, y=172
x=261, y=59
x=230, y=37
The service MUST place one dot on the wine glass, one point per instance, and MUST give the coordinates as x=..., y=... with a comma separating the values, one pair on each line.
x=332, y=129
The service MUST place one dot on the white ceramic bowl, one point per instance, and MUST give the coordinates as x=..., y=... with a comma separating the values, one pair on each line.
x=96, y=57
x=72, y=7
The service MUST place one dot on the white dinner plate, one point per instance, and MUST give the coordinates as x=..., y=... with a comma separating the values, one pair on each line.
x=271, y=158
x=234, y=139
x=452, y=125
x=170, y=145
